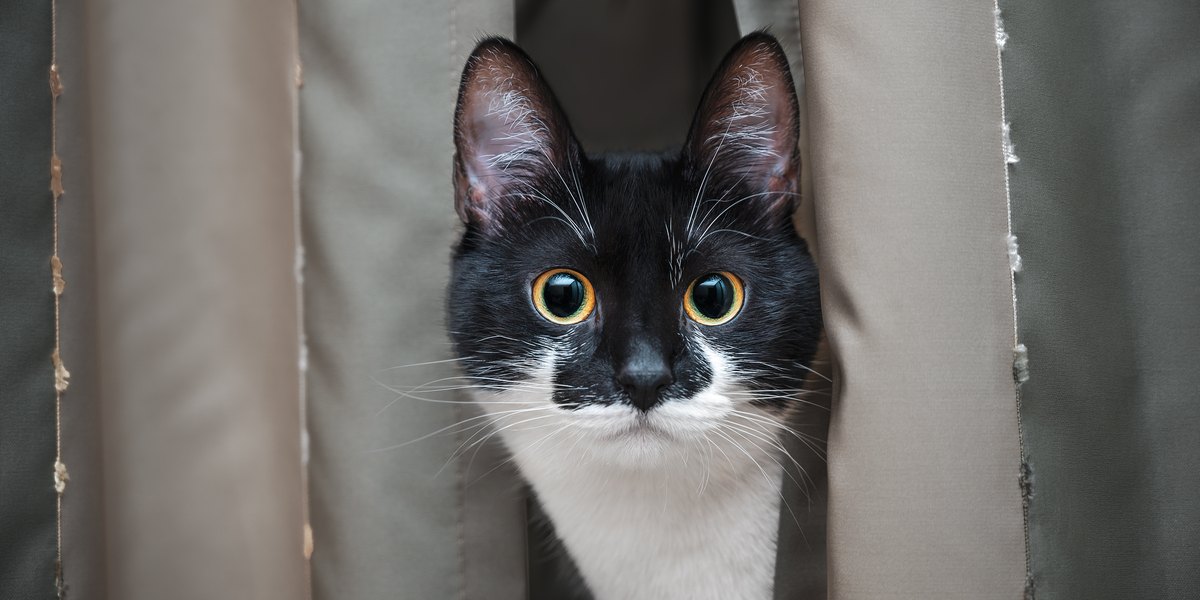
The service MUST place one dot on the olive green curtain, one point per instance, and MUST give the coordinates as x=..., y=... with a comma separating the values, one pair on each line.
x=1104, y=104
x=27, y=511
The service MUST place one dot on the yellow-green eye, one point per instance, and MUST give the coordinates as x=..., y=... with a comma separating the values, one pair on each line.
x=563, y=296
x=714, y=298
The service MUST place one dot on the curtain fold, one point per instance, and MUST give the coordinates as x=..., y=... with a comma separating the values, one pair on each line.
x=192, y=161
x=83, y=529
x=394, y=512
x=904, y=127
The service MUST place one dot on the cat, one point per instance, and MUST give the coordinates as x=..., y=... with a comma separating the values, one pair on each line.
x=638, y=325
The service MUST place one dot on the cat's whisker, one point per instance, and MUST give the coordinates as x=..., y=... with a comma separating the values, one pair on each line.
x=481, y=443
x=764, y=419
x=811, y=442
x=743, y=432
x=741, y=233
x=453, y=426
x=476, y=441
x=507, y=426
x=411, y=393
x=767, y=477
x=733, y=204
x=513, y=387
x=569, y=221
x=814, y=372
x=578, y=201
x=772, y=440
x=707, y=466
x=717, y=201
x=566, y=426
x=788, y=398
x=465, y=401
x=426, y=363
x=781, y=391
x=483, y=378
x=704, y=181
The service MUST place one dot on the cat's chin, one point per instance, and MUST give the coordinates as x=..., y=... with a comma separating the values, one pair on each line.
x=621, y=436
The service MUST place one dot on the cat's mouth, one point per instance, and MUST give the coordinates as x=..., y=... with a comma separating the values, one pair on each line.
x=642, y=426
x=613, y=424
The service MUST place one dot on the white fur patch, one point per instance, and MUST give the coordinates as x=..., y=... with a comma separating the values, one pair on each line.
x=681, y=502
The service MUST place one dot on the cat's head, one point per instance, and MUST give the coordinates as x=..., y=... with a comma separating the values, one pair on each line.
x=642, y=301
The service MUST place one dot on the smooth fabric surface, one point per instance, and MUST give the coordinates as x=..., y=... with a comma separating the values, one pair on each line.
x=27, y=504
x=192, y=165
x=394, y=514
x=908, y=176
x=1104, y=101
x=84, y=555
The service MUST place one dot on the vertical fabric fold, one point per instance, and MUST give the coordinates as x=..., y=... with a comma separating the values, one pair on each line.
x=83, y=540
x=907, y=170
x=392, y=508
x=191, y=162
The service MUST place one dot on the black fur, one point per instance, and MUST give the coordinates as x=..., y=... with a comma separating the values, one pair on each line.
x=516, y=214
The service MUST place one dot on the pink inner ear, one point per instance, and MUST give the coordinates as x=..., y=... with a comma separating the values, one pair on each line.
x=509, y=132
x=503, y=136
x=748, y=122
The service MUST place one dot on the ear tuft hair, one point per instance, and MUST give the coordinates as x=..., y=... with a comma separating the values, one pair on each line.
x=508, y=131
x=747, y=127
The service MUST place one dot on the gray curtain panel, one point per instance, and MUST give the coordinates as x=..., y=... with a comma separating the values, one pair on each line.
x=392, y=516
x=905, y=155
x=27, y=497
x=1104, y=101
x=84, y=546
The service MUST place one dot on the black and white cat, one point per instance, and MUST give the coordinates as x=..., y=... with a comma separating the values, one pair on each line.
x=638, y=326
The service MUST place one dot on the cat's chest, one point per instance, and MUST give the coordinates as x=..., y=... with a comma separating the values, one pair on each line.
x=702, y=530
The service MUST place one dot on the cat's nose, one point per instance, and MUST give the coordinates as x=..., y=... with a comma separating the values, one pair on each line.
x=644, y=381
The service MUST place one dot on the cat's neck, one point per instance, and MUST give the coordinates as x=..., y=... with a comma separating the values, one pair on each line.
x=704, y=526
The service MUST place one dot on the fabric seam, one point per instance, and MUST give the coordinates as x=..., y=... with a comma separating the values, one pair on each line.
x=58, y=285
x=1005, y=151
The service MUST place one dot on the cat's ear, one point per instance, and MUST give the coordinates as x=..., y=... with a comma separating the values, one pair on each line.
x=746, y=130
x=509, y=133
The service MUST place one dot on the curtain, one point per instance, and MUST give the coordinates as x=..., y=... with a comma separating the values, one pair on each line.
x=224, y=239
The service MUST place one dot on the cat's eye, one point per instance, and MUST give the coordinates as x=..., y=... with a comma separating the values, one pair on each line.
x=714, y=298
x=563, y=296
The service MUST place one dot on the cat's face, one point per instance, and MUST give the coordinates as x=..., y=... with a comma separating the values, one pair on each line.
x=641, y=301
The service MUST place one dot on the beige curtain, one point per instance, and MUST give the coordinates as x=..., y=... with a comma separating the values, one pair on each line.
x=196, y=329
x=206, y=373
x=225, y=229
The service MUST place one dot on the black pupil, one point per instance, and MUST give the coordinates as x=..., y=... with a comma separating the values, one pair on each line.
x=713, y=295
x=563, y=294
